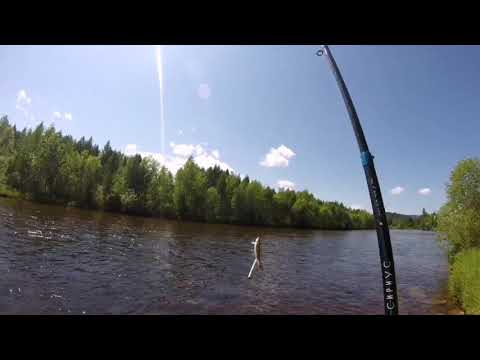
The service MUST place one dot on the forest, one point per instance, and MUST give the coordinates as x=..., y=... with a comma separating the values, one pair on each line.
x=426, y=221
x=44, y=165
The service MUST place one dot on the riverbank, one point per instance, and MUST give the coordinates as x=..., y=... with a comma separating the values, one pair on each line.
x=9, y=193
x=459, y=230
x=464, y=281
x=6, y=192
x=445, y=304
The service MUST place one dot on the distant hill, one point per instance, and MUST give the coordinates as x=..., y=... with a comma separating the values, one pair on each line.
x=425, y=221
x=396, y=217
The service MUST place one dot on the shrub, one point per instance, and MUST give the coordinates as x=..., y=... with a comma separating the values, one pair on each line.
x=464, y=281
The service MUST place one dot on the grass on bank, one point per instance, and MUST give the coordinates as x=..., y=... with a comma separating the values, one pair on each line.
x=7, y=192
x=464, y=281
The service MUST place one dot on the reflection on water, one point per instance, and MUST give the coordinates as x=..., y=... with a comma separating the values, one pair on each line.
x=58, y=261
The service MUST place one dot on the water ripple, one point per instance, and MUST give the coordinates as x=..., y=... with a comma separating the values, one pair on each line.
x=55, y=261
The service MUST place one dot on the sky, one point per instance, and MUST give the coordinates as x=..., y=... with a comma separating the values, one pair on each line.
x=273, y=113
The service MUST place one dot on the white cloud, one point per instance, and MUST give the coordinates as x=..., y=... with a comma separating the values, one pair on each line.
x=397, y=190
x=23, y=104
x=285, y=184
x=57, y=115
x=180, y=132
x=186, y=150
x=425, y=191
x=199, y=150
x=172, y=163
x=23, y=100
x=131, y=149
x=206, y=160
x=278, y=157
x=357, y=207
x=181, y=152
x=204, y=91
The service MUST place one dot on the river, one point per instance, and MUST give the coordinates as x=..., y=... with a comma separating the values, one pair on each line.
x=56, y=260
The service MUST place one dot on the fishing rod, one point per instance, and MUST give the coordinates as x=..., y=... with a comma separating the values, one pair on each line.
x=384, y=244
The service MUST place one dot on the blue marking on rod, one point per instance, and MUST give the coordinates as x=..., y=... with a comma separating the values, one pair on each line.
x=366, y=158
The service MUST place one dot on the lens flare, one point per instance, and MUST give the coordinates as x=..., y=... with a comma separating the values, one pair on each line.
x=158, y=60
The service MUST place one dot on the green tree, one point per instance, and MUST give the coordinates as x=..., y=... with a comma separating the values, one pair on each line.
x=7, y=147
x=213, y=175
x=305, y=210
x=283, y=203
x=256, y=209
x=81, y=172
x=190, y=191
x=46, y=165
x=213, y=205
x=226, y=196
x=459, y=218
x=111, y=161
x=239, y=204
x=160, y=194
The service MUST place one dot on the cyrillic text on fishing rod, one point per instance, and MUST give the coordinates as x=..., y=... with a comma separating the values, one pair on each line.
x=389, y=297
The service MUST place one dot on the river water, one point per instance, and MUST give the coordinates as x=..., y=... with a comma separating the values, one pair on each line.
x=55, y=260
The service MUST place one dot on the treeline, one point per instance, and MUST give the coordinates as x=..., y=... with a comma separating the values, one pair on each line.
x=459, y=218
x=45, y=165
x=459, y=229
x=426, y=221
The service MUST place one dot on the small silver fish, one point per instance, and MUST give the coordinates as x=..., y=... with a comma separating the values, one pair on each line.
x=258, y=252
x=257, y=249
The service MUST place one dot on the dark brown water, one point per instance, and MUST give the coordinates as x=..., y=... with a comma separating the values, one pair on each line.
x=70, y=261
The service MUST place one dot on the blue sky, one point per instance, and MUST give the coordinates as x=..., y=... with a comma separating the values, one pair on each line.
x=272, y=112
